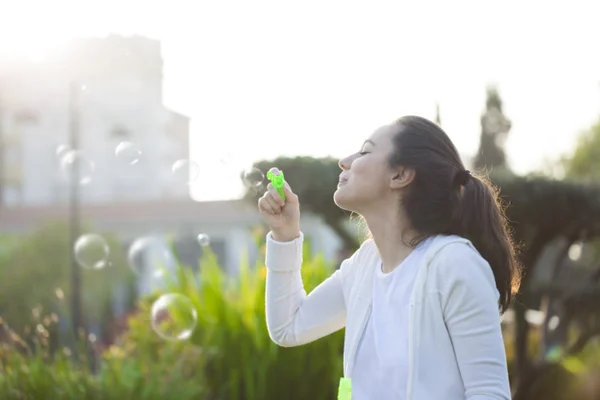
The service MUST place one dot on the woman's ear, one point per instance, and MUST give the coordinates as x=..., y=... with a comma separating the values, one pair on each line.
x=402, y=177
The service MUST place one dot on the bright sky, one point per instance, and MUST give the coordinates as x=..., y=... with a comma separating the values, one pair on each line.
x=264, y=78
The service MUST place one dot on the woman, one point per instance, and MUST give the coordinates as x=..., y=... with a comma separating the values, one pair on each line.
x=421, y=300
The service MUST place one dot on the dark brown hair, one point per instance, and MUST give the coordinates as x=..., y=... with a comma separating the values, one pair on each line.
x=444, y=198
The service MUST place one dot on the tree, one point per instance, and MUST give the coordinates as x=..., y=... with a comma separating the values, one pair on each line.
x=494, y=130
x=553, y=218
x=584, y=163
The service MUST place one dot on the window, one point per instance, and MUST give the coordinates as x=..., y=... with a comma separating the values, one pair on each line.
x=26, y=117
x=120, y=132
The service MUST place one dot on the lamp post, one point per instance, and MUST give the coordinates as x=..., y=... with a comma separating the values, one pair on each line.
x=74, y=218
x=2, y=151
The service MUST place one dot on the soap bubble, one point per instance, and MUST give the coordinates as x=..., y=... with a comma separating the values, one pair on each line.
x=228, y=159
x=232, y=162
x=554, y=353
x=185, y=171
x=253, y=178
x=128, y=153
x=62, y=150
x=76, y=168
x=91, y=251
x=203, y=239
x=150, y=256
x=174, y=317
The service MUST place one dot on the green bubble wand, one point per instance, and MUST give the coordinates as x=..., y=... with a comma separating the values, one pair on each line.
x=345, y=389
x=277, y=180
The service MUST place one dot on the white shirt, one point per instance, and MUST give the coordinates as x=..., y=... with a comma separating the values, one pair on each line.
x=455, y=346
x=381, y=370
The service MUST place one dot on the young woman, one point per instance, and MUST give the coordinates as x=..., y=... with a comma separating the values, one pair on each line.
x=421, y=300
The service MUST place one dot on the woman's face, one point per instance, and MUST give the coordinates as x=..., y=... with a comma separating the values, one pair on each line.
x=366, y=176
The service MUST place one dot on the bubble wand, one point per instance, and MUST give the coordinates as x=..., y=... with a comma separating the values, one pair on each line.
x=277, y=180
x=345, y=389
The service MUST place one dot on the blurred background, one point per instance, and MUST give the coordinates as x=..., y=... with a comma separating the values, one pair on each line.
x=134, y=139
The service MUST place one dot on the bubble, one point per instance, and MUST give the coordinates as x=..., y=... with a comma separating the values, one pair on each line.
x=253, y=178
x=227, y=159
x=203, y=239
x=174, y=317
x=185, y=171
x=150, y=256
x=76, y=168
x=62, y=150
x=554, y=353
x=91, y=251
x=128, y=153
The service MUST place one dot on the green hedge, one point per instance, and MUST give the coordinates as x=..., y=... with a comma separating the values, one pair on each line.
x=229, y=356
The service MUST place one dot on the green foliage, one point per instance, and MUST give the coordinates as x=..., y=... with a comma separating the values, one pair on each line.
x=494, y=129
x=33, y=378
x=229, y=355
x=584, y=163
x=29, y=370
x=33, y=268
x=241, y=360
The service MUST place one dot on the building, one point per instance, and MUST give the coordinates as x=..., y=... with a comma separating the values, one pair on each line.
x=117, y=84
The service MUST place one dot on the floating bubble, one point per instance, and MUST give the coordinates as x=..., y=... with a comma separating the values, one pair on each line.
x=62, y=150
x=554, y=353
x=76, y=168
x=91, y=251
x=253, y=178
x=185, y=171
x=128, y=153
x=174, y=317
x=203, y=239
x=228, y=159
x=224, y=159
x=150, y=256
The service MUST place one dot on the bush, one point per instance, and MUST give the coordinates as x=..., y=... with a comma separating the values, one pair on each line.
x=44, y=258
x=229, y=355
x=241, y=362
x=32, y=372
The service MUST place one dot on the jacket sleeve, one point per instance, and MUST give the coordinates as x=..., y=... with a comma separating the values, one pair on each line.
x=471, y=313
x=293, y=318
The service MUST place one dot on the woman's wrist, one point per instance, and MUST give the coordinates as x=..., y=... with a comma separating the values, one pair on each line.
x=285, y=236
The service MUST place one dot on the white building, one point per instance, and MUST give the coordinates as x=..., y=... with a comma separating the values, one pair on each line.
x=118, y=85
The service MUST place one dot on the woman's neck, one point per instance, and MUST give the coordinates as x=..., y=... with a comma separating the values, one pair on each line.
x=392, y=237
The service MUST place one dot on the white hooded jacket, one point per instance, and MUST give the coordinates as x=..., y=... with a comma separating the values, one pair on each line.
x=456, y=350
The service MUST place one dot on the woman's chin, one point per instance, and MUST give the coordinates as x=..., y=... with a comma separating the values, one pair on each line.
x=340, y=198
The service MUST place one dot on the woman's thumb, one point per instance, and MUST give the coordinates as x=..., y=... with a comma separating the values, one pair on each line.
x=290, y=196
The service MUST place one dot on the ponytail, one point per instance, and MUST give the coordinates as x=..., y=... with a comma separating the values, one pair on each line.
x=482, y=220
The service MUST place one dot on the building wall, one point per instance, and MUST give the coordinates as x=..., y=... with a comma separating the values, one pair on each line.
x=119, y=97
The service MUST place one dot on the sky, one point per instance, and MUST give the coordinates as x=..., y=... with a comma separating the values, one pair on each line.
x=263, y=78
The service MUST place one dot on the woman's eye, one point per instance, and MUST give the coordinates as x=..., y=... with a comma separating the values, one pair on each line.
x=362, y=153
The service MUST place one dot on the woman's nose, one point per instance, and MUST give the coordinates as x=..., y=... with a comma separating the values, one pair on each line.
x=344, y=163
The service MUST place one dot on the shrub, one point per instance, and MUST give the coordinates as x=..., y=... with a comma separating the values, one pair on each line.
x=32, y=372
x=241, y=362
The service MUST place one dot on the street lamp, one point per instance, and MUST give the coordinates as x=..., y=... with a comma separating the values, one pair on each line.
x=74, y=130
